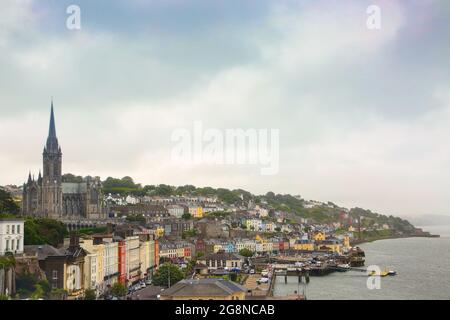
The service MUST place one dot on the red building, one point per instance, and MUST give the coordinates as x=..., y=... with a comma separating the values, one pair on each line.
x=156, y=253
x=187, y=252
x=200, y=246
x=122, y=262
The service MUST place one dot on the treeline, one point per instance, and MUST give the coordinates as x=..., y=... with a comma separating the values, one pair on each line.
x=126, y=186
x=7, y=203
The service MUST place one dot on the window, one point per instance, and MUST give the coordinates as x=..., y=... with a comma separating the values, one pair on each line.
x=7, y=229
x=12, y=244
x=13, y=229
x=18, y=228
x=55, y=274
x=7, y=245
x=18, y=244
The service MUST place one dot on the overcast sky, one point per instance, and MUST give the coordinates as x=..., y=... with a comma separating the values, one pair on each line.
x=363, y=114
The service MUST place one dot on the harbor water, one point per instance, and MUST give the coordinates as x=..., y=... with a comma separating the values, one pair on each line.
x=422, y=265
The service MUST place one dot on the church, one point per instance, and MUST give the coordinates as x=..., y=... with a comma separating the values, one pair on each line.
x=52, y=197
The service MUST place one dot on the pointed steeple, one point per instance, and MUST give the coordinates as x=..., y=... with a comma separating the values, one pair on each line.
x=29, y=177
x=52, y=141
x=52, y=128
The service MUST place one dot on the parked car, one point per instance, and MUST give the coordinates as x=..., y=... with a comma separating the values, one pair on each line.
x=252, y=271
x=148, y=282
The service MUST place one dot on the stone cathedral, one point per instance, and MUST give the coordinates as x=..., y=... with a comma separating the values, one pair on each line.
x=50, y=196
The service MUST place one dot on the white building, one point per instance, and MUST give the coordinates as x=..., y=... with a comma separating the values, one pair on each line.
x=254, y=224
x=111, y=261
x=11, y=236
x=175, y=210
x=131, y=200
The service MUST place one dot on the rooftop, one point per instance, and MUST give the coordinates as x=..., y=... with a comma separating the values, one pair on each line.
x=203, y=287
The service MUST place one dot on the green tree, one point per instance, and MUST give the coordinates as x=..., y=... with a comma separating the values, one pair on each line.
x=44, y=231
x=68, y=177
x=246, y=253
x=38, y=293
x=186, y=216
x=7, y=203
x=4, y=297
x=89, y=294
x=167, y=272
x=118, y=290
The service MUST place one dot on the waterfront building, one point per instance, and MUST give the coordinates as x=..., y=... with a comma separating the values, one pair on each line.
x=221, y=260
x=122, y=265
x=144, y=258
x=204, y=289
x=304, y=245
x=133, y=270
x=110, y=262
x=96, y=252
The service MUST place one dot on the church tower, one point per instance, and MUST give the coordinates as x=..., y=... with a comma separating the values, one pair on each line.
x=52, y=175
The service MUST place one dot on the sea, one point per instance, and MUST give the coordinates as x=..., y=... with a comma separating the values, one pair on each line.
x=422, y=265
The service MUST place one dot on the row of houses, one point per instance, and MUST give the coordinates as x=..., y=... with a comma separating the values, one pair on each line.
x=126, y=256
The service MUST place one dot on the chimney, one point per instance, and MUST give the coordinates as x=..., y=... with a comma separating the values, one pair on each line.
x=74, y=240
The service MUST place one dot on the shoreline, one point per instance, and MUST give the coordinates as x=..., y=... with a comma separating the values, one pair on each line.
x=361, y=241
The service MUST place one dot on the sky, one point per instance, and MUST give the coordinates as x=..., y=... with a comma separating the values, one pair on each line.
x=363, y=114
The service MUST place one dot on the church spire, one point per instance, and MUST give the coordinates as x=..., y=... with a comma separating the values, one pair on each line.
x=52, y=141
x=52, y=129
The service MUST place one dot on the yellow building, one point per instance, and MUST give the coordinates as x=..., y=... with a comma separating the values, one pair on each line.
x=217, y=248
x=304, y=245
x=319, y=236
x=204, y=289
x=329, y=245
x=144, y=257
x=160, y=232
x=346, y=242
x=196, y=212
x=97, y=254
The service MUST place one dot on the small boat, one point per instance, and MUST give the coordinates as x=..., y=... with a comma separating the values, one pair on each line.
x=392, y=273
x=343, y=267
x=381, y=274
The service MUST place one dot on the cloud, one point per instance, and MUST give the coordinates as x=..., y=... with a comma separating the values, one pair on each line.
x=363, y=115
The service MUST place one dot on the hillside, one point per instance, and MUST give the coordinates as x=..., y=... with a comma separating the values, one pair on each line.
x=294, y=205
